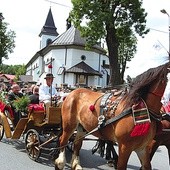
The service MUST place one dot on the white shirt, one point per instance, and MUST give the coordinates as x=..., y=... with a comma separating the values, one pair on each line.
x=45, y=92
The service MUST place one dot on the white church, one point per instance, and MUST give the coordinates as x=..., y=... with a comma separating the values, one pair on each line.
x=66, y=57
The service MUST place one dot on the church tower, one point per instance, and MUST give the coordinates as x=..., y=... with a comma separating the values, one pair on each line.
x=48, y=32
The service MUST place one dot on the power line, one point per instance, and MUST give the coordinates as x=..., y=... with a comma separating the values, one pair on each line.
x=157, y=30
x=58, y=3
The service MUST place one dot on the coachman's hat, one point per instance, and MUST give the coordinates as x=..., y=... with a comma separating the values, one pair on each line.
x=49, y=75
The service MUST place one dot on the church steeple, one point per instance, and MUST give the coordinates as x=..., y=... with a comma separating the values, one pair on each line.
x=49, y=31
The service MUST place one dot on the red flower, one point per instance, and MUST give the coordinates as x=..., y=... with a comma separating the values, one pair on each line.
x=50, y=66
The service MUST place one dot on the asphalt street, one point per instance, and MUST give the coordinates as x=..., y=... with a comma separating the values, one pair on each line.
x=14, y=157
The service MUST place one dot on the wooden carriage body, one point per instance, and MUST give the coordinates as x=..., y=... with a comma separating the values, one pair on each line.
x=36, y=119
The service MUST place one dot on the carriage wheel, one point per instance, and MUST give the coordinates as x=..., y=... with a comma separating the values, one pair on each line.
x=1, y=130
x=32, y=142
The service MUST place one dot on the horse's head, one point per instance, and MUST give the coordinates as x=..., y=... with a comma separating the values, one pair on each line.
x=155, y=93
x=150, y=86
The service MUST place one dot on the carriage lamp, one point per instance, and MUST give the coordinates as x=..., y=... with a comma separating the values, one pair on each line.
x=165, y=12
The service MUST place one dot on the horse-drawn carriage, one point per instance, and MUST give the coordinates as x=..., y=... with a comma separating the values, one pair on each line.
x=39, y=127
x=130, y=118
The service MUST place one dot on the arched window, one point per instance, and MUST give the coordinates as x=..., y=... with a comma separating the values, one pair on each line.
x=48, y=41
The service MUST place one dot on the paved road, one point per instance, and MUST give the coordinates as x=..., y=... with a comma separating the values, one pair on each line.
x=13, y=157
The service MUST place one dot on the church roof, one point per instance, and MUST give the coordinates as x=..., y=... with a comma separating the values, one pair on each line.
x=49, y=27
x=72, y=37
x=83, y=68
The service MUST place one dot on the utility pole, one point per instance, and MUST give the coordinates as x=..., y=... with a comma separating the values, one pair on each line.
x=165, y=12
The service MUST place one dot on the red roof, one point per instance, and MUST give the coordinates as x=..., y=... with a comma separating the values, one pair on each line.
x=8, y=76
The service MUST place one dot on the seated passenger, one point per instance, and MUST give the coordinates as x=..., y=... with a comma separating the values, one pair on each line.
x=34, y=98
x=13, y=95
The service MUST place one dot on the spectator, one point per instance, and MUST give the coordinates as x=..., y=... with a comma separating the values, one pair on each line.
x=13, y=95
x=30, y=89
x=34, y=98
x=3, y=87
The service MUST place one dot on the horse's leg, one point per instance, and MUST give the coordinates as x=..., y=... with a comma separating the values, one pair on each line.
x=124, y=154
x=144, y=157
x=61, y=160
x=111, y=154
x=75, y=162
x=154, y=146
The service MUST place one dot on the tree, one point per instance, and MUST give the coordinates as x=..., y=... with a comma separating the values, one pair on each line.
x=97, y=19
x=13, y=69
x=7, y=43
x=127, y=49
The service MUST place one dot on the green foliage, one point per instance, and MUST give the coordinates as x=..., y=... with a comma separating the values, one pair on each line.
x=110, y=19
x=6, y=38
x=4, y=98
x=127, y=49
x=13, y=69
x=21, y=104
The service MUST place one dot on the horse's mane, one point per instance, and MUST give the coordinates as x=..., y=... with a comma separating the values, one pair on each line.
x=140, y=85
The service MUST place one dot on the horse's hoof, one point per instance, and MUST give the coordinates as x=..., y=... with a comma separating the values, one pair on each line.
x=112, y=163
x=59, y=165
x=56, y=168
x=78, y=167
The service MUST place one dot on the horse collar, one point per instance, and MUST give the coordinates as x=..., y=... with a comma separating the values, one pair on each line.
x=108, y=107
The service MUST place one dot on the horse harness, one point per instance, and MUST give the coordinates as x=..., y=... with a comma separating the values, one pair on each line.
x=107, y=111
x=108, y=108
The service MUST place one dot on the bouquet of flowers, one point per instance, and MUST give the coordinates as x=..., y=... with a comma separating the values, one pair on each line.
x=21, y=104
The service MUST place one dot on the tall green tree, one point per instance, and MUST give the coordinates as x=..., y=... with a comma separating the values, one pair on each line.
x=7, y=42
x=127, y=48
x=97, y=19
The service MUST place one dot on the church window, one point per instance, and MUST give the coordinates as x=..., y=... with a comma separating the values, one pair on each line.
x=48, y=41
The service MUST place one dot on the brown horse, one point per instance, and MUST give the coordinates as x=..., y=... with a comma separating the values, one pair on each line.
x=81, y=110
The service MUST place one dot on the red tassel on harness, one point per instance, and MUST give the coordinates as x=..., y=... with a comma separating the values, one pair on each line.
x=141, y=119
x=140, y=129
x=92, y=108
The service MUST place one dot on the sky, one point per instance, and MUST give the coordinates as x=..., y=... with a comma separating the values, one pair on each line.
x=27, y=17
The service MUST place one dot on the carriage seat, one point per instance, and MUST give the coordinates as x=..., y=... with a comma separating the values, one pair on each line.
x=36, y=113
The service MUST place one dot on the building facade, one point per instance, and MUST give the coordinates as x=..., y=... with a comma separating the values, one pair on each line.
x=66, y=57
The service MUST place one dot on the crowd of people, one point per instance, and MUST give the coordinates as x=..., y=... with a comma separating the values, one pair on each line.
x=45, y=93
